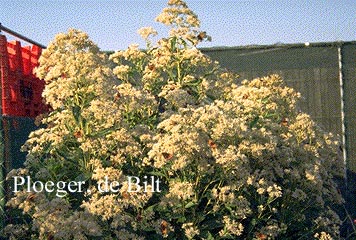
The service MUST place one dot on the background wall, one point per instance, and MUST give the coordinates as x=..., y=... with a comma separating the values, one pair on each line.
x=316, y=71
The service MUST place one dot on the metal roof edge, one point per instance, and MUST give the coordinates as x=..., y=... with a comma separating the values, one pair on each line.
x=262, y=47
x=287, y=45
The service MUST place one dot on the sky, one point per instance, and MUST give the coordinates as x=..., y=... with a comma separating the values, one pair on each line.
x=113, y=24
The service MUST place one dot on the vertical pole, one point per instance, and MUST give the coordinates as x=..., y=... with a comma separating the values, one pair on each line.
x=2, y=177
x=343, y=127
x=3, y=74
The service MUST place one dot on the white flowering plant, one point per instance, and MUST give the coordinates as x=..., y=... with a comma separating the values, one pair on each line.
x=235, y=159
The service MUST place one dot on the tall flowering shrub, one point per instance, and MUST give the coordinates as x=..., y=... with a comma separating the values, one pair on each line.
x=235, y=159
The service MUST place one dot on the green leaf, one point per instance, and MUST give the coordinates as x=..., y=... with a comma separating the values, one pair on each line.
x=158, y=174
x=265, y=100
x=181, y=219
x=207, y=235
x=190, y=204
x=82, y=177
x=76, y=113
x=254, y=122
x=173, y=44
x=253, y=222
x=210, y=237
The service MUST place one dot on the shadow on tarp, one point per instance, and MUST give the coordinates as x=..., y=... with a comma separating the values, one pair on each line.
x=15, y=132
